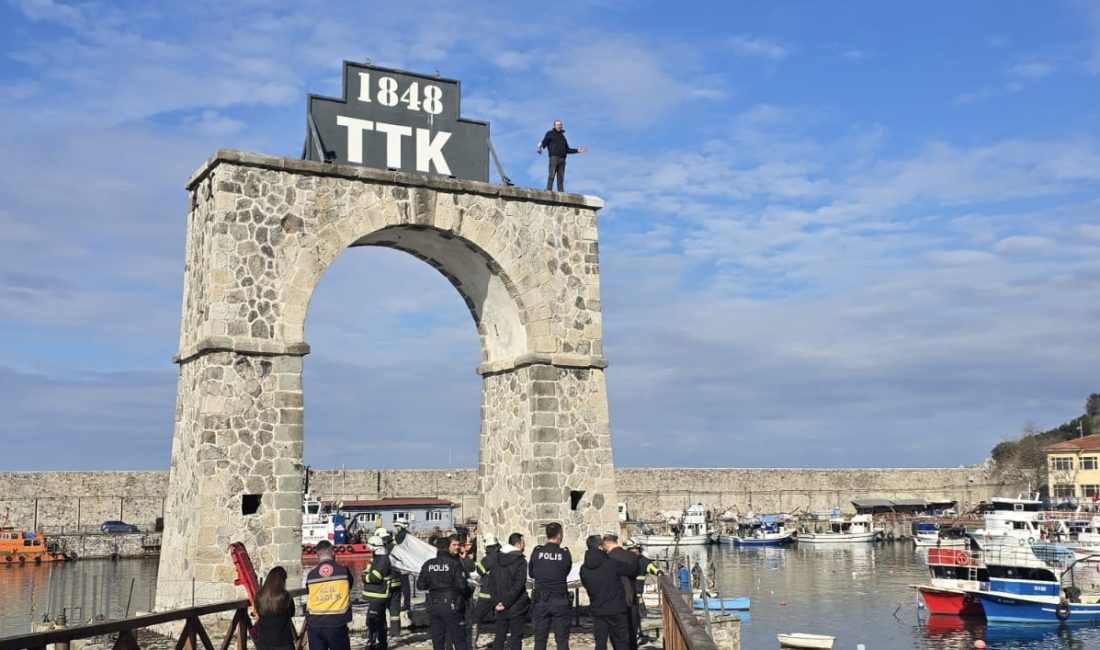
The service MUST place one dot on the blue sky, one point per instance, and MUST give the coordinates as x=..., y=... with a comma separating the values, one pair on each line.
x=837, y=234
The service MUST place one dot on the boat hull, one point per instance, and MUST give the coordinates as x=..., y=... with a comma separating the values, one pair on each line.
x=838, y=538
x=721, y=603
x=800, y=640
x=951, y=602
x=1003, y=607
x=777, y=540
x=672, y=540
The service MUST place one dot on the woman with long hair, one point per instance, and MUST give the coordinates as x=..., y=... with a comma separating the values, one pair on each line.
x=274, y=630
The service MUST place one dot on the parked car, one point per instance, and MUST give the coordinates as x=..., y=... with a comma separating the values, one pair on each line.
x=118, y=527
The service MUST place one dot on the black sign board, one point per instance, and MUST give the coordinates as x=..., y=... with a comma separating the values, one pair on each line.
x=391, y=119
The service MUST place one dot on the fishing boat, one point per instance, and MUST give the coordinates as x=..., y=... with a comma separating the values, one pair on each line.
x=952, y=573
x=1016, y=521
x=317, y=525
x=928, y=535
x=848, y=530
x=803, y=640
x=691, y=529
x=1040, y=590
x=26, y=547
x=763, y=530
x=716, y=603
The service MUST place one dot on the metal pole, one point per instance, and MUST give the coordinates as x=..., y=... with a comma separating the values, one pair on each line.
x=95, y=596
x=129, y=598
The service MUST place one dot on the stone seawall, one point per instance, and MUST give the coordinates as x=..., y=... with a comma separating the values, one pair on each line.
x=75, y=502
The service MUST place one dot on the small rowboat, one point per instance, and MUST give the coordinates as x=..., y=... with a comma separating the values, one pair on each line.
x=803, y=640
x=715, y=603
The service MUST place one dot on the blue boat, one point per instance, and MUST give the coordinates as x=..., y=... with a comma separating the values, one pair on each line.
x=715, y=603
x=764, y=530
x=1042, y=591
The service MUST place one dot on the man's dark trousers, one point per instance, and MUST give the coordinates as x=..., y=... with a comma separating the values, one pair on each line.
x=328, y=638
x=447, y=622
x=511, y=627
x=553, y=613
x=633, y=623
x=615, y=625
x=557, y=168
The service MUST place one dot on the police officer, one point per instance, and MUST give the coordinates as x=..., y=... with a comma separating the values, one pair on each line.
x=376, y=591
x=329, y=602
x=446, y=583
x=484, y=608
x=549, y=566
x=646, y=567
x=630, y=560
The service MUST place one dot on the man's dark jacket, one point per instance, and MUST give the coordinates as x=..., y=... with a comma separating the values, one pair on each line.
x=602, y=579
x=510, y=583
x=555, y=143
x=620, y=554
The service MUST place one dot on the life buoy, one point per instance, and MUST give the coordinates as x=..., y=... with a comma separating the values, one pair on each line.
x=961, y=558
x=7, y=558
x=1062, y=610
x=1030, y=540
x=1022, y=541
x=22, y=559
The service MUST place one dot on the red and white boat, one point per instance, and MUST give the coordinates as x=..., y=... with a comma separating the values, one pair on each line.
x=954, y=571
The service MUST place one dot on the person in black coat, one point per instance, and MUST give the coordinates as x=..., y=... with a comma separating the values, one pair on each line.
x=602, y=579
x=275, y=629
x=620, y=554
x=510, y=593
x=558, y=148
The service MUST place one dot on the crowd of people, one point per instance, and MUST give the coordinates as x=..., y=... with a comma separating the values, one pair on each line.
x=612, y=574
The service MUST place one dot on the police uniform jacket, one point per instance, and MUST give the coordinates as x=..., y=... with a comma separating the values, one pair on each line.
x=443, y=577
x=329, y=600
x=550, y=565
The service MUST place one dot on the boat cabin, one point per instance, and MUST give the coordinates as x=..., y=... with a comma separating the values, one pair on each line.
x=856, y=525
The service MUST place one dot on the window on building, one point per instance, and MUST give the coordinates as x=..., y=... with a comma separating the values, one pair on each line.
x=1088, y=462
x=1090, y=490
x=400, y=515
x=435, y=515
x=1061, y=463
x=1063, y=491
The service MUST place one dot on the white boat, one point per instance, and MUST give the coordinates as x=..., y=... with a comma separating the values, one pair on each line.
x=1011, y=521
x=691, y=529
x=803, y=640
x=858, y=528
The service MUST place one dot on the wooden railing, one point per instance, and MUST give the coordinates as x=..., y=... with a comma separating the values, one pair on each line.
x=192, y=637
x=682, y=631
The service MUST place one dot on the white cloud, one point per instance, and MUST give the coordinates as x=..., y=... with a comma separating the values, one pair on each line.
x=757, y=46
x=1032, y=70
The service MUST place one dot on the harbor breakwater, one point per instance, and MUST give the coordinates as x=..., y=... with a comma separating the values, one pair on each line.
x=78, y=502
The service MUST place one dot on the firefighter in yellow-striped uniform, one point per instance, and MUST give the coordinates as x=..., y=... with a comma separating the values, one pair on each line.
x=328, y=605
x=376, y=591
x=483, y=609
x=393, y=604
x=646, y=567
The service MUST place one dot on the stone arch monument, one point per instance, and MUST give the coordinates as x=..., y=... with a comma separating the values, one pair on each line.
x=260, y=233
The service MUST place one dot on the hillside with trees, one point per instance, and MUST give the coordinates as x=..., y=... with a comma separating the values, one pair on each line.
x=1024, y=457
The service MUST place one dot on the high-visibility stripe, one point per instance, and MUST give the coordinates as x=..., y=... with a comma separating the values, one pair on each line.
x=375, y=594
x=484, y=595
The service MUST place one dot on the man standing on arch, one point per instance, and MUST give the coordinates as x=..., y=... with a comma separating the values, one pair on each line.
x=558, y=148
